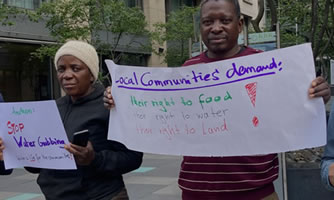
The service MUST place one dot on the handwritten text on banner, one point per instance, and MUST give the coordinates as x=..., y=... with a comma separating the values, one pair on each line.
x=250, y=105
x=34, y=136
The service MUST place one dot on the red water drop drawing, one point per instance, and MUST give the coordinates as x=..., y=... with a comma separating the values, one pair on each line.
x=251, y=90
x=255, y=121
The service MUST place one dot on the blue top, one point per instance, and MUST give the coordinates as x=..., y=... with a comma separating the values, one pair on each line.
x=1, y=98
x=328, y=157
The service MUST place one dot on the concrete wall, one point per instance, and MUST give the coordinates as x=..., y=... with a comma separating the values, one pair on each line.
x=155, y=11
x=25, y=29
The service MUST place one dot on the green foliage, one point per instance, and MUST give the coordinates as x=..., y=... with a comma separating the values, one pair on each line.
x=117, y=17
x=66, y=19
x=176, y=56
x=7, y=14
x=296, y=26
x=118, y=21
x=45, y=51
x=86, y=19
x=302, y=22
x=176, y=32
x=295, y=15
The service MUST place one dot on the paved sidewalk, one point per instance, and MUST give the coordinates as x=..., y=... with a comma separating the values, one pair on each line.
x=156, y=179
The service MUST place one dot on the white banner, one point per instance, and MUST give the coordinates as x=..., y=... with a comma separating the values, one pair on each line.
x=256, y=104
x=34, y=136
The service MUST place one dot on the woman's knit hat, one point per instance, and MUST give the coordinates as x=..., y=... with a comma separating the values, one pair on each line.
x=83, y=51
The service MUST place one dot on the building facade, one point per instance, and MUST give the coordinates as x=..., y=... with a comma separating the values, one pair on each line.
x=24, y=78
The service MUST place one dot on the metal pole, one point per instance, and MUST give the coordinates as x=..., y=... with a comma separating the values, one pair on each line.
x=195, y=30
x=284, y=173
x=200, y=43
x=285, y=184
x=245, y=31
x=278, y=36
x=190, y=47
x=51, y=79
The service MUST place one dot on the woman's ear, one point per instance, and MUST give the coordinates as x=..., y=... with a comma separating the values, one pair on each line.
x=91, y=78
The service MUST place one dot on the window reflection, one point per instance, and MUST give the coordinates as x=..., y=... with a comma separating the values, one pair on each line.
x=134, y=3
x=27, y=4
x=173, y=5
x=23, y=78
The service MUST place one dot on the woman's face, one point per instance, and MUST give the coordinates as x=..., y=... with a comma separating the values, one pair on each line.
x=74, y=77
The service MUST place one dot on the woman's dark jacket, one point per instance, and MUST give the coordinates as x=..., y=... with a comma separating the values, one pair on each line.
x=102, y=179
x=3, y=171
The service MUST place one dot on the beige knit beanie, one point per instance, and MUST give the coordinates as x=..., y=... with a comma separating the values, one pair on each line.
x=83, y=51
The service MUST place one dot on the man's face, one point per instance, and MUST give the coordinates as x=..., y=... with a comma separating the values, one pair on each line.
x=220, y=27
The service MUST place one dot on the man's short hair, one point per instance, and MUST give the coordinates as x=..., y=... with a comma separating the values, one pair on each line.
x=234, y=2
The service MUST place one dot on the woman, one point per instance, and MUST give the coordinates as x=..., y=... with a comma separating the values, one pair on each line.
x=101, y=163
x=3, y=171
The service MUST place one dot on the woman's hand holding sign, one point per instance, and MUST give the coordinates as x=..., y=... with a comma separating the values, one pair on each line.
x=2, y=147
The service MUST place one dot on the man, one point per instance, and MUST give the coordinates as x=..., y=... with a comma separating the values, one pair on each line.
x=228, y=178
x=3, y=171
x=246, y=177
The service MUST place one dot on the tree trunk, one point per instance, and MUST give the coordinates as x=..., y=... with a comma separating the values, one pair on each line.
x=273, y=10
x=257, y=20
x=320, y=36
x=314, y=20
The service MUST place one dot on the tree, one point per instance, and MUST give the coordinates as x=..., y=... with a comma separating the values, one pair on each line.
x=310, y=21
x=6, y=12
x=109, y=25
x=303, y=21
x=177, y=31
x=273, y=15
x=91, y=20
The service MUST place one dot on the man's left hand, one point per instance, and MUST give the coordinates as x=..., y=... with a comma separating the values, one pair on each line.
x=320, y=88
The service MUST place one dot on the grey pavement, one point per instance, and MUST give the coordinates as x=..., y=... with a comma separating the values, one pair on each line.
x=156, y=179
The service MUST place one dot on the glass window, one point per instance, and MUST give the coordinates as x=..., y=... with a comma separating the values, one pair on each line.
x=27, y=4
x=134, y=3
x=23, y=78
x=173, y=5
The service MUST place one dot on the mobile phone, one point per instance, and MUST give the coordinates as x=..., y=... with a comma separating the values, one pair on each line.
x=81, y=138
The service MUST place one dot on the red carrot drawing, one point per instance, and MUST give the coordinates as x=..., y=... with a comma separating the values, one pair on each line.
x=251, y=90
